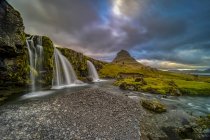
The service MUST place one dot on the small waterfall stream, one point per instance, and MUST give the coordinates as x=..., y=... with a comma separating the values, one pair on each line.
x=92, y=72
x=64, y=74
x=35, y=59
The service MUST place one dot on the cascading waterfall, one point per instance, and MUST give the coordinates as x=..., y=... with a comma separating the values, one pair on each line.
x=64, y=74
x=92, y=72
x=35, y=59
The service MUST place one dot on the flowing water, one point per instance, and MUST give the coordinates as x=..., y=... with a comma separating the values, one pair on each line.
x=64, y=74
x=35, y=59
x=179, y=109
x=196, y=106
x=92, y=72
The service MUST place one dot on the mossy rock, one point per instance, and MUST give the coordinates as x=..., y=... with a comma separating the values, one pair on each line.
x=204, y=122
x=153, y=105
x=126, y=86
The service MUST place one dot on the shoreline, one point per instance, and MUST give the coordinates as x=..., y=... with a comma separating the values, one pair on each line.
x=112, y=115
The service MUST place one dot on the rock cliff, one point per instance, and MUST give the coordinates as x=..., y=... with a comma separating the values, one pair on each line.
x=13, y=53
x=14, y=57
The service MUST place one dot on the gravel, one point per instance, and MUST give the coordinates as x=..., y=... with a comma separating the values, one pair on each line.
x=90, y=114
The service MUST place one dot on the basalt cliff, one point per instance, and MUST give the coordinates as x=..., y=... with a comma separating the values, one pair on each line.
x=14, y=56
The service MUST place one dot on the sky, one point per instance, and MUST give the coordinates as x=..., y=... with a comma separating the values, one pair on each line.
x=165, y=34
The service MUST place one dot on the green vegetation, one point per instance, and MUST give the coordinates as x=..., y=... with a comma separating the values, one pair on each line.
x=48, y=61
x=204, y=122
x=79, y=62
x=111, y=70
x=153, y=105
x=158, y=82
x=166, y=86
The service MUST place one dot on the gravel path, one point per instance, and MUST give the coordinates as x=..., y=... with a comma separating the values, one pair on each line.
x=90, y=114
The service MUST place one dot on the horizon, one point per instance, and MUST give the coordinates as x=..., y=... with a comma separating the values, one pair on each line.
x=163, y=35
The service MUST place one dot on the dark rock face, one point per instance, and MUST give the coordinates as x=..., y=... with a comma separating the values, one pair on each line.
x=12, y=36
x=13, y=53
x=14, y=58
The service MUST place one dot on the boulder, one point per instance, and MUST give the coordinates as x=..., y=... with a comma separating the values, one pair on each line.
x=173, y=89
x=126, y=86
x=153, y=105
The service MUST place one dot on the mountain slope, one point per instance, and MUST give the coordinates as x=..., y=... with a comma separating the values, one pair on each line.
x=124, y=57
x=125, y=63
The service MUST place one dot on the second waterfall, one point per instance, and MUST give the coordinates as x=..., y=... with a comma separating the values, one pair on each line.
x=64, y=74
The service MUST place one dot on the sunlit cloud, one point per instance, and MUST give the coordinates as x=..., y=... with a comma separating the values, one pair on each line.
x=170, y=34
x=126, y=8
x=161, y=64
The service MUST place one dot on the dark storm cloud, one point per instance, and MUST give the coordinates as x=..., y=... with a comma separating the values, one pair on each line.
x=176, y=31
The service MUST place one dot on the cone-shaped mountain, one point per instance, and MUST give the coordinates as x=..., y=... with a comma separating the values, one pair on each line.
x=124, y=57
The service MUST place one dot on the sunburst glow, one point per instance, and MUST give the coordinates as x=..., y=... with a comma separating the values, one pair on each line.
x=116, y=7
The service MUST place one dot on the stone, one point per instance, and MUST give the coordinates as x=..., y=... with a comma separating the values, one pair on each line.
x=153, y=105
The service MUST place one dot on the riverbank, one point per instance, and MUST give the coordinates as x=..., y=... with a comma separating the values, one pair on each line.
x=99, y=111
x=87, y=114
x=165, y=86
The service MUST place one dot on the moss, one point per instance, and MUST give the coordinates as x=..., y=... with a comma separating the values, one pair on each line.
x=165, y=86
x=48, y=48
x=79, y=62
x=204, y=122
x=18, y=73
x=153, y=105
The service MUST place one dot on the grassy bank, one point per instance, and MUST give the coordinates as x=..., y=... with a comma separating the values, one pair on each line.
x=156, y=81
x=164, y=86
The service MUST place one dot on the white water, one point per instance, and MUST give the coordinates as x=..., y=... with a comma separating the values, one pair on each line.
x=35, y=59
x=92, y=72
x=64, y=74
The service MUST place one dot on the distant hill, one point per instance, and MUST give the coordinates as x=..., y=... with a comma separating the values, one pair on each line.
x=191, y=71
x=207, y=70
x=125, y=63
x=123, y=57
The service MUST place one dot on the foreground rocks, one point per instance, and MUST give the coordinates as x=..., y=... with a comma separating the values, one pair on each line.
x=153, y=105
x=88, y=114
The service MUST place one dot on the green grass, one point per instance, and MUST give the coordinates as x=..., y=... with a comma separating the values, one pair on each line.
x=112, y=70
x=162, y=86
x=158, y=81
x=193, y=87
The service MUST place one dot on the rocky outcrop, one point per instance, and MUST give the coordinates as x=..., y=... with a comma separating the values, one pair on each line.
x=12, y=36
x=13, y=53
x=14, y=58
x=153, y=105
x=79, y=61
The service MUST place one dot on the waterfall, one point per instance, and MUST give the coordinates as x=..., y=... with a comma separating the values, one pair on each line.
x=35, y=59
x=64, y=74
x=92, y=72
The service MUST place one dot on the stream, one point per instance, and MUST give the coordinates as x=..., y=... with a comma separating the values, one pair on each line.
x=196, y=106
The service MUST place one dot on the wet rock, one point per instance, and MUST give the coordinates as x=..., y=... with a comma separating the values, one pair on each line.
x=89, y=79
x=173, y=89
x=141, y=81
x=126, y=86
x=153, y=105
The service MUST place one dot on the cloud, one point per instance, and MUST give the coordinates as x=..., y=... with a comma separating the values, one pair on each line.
x=175, y=31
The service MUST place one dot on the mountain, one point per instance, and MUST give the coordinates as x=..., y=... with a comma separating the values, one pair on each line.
x=125, y=63
x=123, y=57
